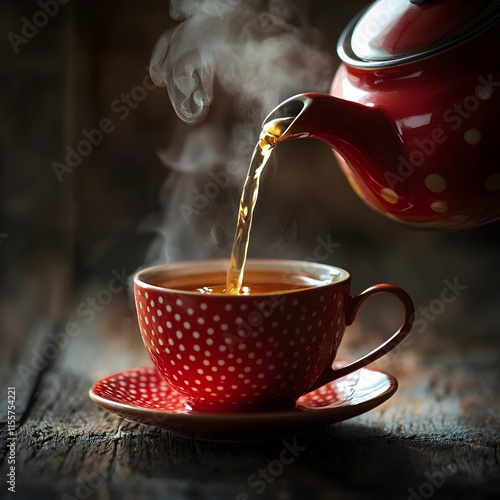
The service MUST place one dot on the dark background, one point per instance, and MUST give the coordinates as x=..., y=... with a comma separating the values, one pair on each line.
x=101, y=216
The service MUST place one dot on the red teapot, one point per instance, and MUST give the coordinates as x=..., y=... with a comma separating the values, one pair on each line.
x=414, y=111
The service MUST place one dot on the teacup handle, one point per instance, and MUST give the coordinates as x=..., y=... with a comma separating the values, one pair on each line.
x=330, y=373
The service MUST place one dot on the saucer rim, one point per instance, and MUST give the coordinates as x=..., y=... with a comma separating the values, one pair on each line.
x=303, y=415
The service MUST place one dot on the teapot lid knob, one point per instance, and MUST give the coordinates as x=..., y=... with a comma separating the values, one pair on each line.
x=389, y=33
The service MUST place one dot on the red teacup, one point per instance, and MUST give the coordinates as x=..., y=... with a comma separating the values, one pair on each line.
x=259, y=351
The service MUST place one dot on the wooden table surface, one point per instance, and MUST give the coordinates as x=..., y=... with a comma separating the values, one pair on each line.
x=438, y=436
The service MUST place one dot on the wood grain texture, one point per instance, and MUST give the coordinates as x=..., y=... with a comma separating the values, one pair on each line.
x=444, y=423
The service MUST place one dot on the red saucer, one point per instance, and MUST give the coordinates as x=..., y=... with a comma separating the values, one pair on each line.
x=141, y=395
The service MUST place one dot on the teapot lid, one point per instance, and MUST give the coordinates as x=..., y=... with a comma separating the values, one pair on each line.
x=393, y=32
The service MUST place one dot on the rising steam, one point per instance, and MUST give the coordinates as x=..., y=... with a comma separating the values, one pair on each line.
x=258, y=52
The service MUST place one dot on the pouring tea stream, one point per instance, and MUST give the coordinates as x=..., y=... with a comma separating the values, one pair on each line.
x=413, y=112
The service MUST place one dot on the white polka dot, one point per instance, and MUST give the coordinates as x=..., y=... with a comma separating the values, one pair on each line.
x=152, y=303
x=168, y=308
x=295, y=302
x=216, y=317
x=146, y=320
x=187, y=325
x=200, y=321
x=181, y=347
x=178, y=302
x=196, y=335
x=210, y=331
x=228, y=307
x=472, y=136
x=159, y=313
x=243, y=307
x=196, y=347
x=435, y=183
x=224, y=327
x=390, y=195
x=178, y=333
x=439, y=206
x=160, y=300
x=169, y=324
x=190, y=311
x=203, y=306
x=160, y=341
x=210, y=341
x=146, y=295
x=492, y=183
x=177, y=317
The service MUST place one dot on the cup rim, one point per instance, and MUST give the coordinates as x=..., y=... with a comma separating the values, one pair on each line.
x=140, y=278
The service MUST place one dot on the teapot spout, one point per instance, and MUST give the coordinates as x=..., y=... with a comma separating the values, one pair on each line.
x=367, y=143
